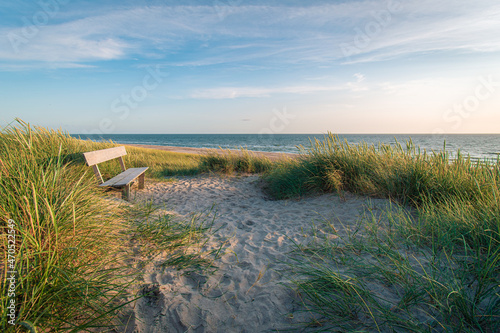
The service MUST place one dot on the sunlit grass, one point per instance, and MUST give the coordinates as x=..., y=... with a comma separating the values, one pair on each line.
x=71, y=243
x=439, y=266
x=67, y=237
x=378, y=280
x=181, y=242
x=161, y=163
x=463, y=194
x=230, y=162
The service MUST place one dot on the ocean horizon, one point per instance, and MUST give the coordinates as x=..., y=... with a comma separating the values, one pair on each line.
x=483, y=146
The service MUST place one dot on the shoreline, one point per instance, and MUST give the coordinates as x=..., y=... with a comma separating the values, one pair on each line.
x=204, y=151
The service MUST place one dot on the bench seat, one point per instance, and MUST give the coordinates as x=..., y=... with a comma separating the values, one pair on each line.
x=125, y=177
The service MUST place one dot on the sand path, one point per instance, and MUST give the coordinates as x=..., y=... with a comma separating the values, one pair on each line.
x=247, y=293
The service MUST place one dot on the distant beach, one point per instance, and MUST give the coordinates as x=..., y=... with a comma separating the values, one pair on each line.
x=477, y=145
x=204, y=151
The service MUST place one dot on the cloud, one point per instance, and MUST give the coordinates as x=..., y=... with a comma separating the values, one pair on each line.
x=357, y=85
x=201, y=35
x=425, y=27
x=359, y=77
x=253, y=92
x=37, y=65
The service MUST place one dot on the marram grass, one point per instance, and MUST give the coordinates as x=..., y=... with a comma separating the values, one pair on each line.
x=230, y=162
x=438, y=267
x=183, y=241
x=463, y=193
x=66, y=237
x=383, y=282
x=441, y=264
x=70, y=243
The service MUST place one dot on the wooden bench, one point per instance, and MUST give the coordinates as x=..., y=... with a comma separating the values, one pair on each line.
x=125, y=179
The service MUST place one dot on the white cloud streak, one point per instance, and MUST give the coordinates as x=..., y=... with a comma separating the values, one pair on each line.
x=252, y=92
x=239, y=92
x=204, y=35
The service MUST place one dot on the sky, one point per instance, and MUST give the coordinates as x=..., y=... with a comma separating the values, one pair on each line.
x=260, y=66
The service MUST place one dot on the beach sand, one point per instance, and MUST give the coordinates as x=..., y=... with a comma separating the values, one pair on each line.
x=248, y=292
x=204, y=151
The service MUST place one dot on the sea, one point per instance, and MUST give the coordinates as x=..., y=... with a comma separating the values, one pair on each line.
x=480, y=146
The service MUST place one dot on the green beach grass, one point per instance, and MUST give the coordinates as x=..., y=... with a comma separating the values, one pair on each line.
x=439, y=266
x=230, y=162
x=66, y=277
x=70, y=245
x=435, y=253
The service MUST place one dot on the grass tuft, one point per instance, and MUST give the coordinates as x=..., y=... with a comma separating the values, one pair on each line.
x=229, y=162
x=182, y=243
x=66, y=237
x=462, y=194
x=377, y=280
x=435, y=269
x=71, y=244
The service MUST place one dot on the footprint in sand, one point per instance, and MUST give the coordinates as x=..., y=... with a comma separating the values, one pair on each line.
x=243, y=226
x=244, y=265
x=196, y=280
x=248, y=293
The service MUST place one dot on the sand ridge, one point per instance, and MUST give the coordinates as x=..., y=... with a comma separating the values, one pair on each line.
x=204, y=151
x=247, y=293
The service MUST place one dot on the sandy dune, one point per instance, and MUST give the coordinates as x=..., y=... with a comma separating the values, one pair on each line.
x=247, y=293
x=203, y=151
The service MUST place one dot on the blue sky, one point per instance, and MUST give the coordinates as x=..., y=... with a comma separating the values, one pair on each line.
x=234, y=66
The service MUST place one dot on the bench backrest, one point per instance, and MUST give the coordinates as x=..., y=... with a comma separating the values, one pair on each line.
x=99, y=156
x=95, y=157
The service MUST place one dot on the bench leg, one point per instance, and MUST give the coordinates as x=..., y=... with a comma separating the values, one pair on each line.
x=126, y=192
x=141, y=181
